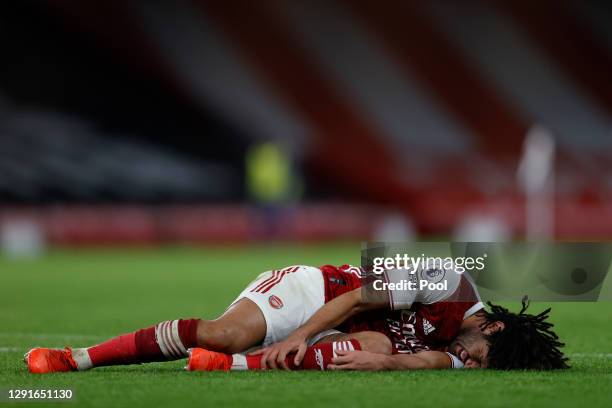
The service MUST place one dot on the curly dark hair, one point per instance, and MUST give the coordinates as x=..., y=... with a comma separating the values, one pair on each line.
x=526, y=342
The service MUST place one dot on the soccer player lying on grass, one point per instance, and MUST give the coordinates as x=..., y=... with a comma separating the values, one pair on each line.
x=275, y=305
x=497, y=339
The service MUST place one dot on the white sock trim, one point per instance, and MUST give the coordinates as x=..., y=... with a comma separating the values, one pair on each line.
x=177, y=338
x=159, y=339
x=239, y=362
x=169, y=341
x=82, y=359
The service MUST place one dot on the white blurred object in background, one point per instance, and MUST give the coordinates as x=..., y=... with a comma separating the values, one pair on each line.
x=394, y=227
x=21, y=238
x=536, y=178
x=481, y=228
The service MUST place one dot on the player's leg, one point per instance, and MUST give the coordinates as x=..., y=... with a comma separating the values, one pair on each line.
x=259, y=315
x=317, y=357
x=240, y=327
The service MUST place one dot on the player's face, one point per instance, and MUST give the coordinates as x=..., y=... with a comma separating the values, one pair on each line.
x=471, y=347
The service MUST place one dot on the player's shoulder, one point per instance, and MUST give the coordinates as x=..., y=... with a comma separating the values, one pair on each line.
x=438, y=283
x=448, y=285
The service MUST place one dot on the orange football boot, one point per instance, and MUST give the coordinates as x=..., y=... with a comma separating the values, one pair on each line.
x=44, y=360
x=205, y=360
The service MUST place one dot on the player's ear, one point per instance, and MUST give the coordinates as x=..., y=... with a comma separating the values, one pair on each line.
x=494, y=328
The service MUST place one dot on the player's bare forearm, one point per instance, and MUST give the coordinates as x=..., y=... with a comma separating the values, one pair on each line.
x=338, y=310
x=332, y=314
x=420, y=361
x=367, y=361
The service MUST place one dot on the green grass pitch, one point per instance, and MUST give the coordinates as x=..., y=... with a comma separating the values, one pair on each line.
x=78, y=298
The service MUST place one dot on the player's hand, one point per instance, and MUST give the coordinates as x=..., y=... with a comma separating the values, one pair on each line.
x=357, y=360
x=274, y=356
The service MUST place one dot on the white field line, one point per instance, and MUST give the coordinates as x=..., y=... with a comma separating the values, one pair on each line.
x=47, y=336
x=591, y=355
x=10, y=349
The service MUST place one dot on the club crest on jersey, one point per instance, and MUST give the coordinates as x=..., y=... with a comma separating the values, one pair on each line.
x=275, y=302
x=433, y=275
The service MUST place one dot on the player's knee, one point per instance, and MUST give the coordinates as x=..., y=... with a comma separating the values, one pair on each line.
x=374, y=342
x=218, y=336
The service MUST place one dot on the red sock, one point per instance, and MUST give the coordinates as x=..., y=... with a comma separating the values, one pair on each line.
x=167, y=340
x=316, y=357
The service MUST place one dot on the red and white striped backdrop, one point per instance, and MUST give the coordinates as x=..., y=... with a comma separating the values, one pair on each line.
x=395, y=100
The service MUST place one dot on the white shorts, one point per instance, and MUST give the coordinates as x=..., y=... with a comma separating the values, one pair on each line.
x=287, y=298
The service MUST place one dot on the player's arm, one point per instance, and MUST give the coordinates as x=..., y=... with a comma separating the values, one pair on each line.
x=366, y=361
x=340, y=309
x=327, y=317
x=419, y=361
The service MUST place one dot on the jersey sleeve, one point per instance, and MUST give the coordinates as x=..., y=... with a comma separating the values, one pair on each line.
x=467, y=295
x=402, y=297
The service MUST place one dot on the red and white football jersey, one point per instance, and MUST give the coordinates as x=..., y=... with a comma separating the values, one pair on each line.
x=418, y=319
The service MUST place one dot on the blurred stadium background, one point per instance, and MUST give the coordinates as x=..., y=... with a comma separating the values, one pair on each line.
x=149, y=122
